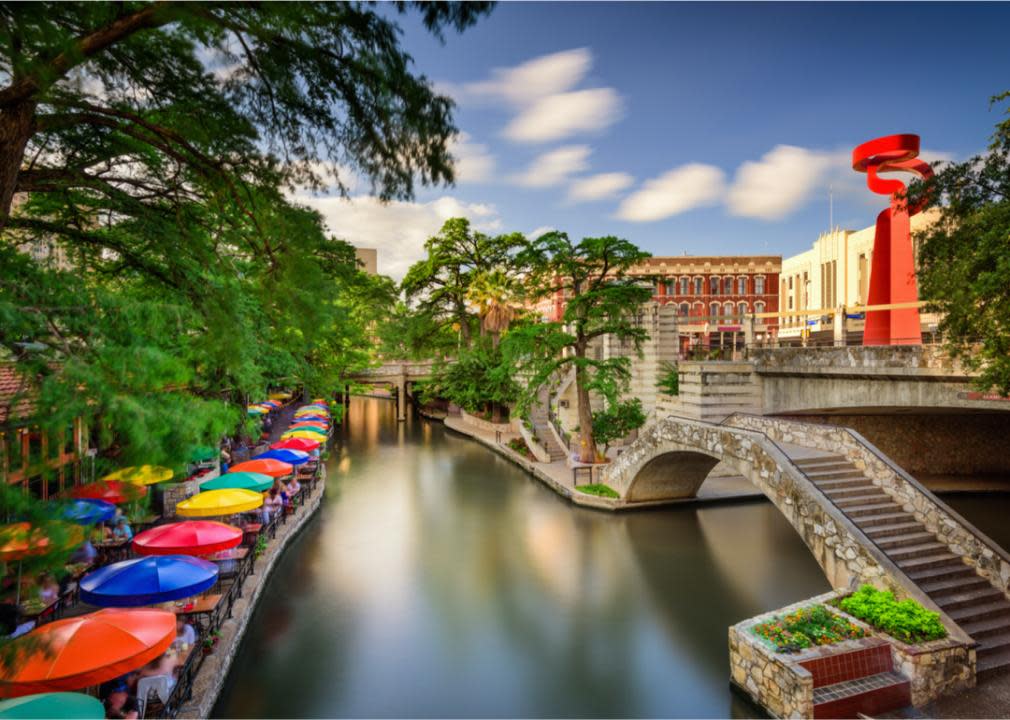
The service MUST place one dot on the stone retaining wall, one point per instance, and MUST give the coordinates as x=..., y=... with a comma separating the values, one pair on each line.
x=486, y=426
x=538, y=450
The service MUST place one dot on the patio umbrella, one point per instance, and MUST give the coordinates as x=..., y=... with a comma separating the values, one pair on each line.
x=297, y=443
x=256, y=410
x=312, y=418
x=67, y=705
x=190, y=537
x=306, y=434
x=268, y=466
x=142, y=475
x=21, y=540
x=113, y=491
x=147, y=580
x=308, y=426
x=215, y=503
x=257, y=482
x=291, y=457
x=88, y=512
x=271, y=403
x=82, y=651
x=312, y=409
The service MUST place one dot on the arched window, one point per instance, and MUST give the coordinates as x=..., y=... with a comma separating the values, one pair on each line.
x=741, y=309
x=685, y=285
x=713, y=310
x=714, y=284
x=759, y=285
x=727, y=286
x=759, y=307
x=727, y=310
x=699, y=309
x=741, y=285
x=685, y=309
x=699, y=286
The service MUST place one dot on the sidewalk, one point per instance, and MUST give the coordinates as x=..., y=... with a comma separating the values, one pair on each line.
x=558, y=476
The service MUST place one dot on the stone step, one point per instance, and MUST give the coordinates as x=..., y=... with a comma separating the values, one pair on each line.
x=886, y=520
x=829, y=467
x=847, y=492
x=945, y=572
x=871, y=695
x=972, y=613
x=892, y=529
x=834, y=475
x=993, y=644
x=933, y=560
x=994, y=663
x=859, y=500
x=982, y=630
x=926, y=549
x=938, y=589
x=819, y=460
x=884, y=508
x=890, y=542
x=970, y=597
x=827, y=485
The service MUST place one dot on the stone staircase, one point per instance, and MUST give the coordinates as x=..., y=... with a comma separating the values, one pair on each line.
x=965, y=596
x=541, y=426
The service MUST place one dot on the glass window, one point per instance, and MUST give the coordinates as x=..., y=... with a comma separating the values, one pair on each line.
x=759, y=286
x=727, y=310
x=37, y=487
x=685, y=309
x=741, y=284
x=727, y=286
x=698, y=286
x=759, y=307
x=742, y=309
x=714, y=284
x=713, y=310
x=685, y=285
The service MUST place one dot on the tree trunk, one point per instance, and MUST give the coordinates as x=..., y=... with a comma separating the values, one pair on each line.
x=16, y=125
x=587, y=445
x=495, y=412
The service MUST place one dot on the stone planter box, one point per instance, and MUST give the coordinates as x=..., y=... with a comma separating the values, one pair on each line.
x=486, y=426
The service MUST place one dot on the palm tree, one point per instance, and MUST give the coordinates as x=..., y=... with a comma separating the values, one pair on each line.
x=494, y=293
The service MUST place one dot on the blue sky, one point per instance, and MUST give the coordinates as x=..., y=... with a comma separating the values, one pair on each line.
x=699, y=128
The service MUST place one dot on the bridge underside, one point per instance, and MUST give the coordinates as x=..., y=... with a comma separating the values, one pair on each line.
x=673, y=475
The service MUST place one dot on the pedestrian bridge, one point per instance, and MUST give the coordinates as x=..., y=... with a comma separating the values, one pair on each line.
x=864, y=518
x=397, y=373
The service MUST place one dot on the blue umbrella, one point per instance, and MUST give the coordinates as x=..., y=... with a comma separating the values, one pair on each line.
x=88, y=511
x=291, y=457
x=148, y=580
x=316, y=418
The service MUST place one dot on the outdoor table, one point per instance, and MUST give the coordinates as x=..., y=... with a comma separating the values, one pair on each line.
x=112, y=551
x=577, y=468
x=239, y=555
x=207, y=606
x=251, y=531
x=35, y=609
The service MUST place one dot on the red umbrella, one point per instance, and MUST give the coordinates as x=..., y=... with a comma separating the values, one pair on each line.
x=112, y=491
x=296, y=444
x=273, y=468
x=191, y=537
x=87, y=650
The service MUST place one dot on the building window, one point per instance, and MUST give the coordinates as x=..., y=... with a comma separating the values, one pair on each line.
x=699, y=309
x=685, y=285
x=685, y=309
x=714, y=285
x=759, y=285
x=713, y=310
x=699, y=286
x=741, y=286
x=727, y=286
x=727, y=310
x=759, y=307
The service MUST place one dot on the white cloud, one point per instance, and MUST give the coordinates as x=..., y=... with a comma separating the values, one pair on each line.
x=679, y=190
x=554, y=167
x=598, y=187
x=396, y=229
x=474, y=164
x=537, y=232
x=530, y=81
x=779, y=183
x=559, y=116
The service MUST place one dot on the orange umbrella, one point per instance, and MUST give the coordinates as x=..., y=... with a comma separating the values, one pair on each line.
x=267, y=466
x=320, y=425
x=20, y=540
x=87, y=650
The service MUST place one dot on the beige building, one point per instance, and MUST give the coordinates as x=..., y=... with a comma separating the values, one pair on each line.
x=833, y=274
x=368, y=258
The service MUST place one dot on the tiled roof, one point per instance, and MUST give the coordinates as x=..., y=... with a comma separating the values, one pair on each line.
x=17, y=397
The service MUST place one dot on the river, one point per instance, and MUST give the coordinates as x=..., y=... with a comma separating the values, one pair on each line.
x=440, y=580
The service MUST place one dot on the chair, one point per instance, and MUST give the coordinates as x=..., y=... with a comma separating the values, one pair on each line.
x=160, y=685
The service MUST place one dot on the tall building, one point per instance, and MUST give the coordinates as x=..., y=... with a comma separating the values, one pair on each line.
x=368, y=258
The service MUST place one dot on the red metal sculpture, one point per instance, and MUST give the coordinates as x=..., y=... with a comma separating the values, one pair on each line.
x=892, y=274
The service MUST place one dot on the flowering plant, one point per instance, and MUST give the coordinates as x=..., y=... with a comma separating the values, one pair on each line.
x=806, y=627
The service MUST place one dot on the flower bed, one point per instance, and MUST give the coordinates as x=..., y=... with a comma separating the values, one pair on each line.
x=905, y=620
x=806, y=627
x=519, y=446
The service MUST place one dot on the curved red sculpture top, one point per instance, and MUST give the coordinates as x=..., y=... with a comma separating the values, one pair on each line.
x=892, y=273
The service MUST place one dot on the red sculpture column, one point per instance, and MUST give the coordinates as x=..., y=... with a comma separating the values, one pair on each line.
x=892, y=273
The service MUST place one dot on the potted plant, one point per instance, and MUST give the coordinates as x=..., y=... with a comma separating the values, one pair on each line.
x=210, y=642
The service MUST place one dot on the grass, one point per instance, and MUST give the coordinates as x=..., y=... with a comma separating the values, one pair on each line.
x=598, y=489
x=806, y=627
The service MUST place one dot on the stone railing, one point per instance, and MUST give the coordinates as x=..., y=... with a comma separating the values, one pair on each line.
x=486, y=425
x=963, y=539
x=869, y=360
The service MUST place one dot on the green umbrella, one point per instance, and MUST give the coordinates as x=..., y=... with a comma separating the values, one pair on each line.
x=257, y=482
x=53, y=705
x=202, y=454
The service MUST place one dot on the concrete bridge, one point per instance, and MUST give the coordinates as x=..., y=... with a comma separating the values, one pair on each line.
x=864, y=518
x=399, y=374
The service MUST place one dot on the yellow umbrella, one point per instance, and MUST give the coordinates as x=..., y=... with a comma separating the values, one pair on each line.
x=279, y=396
x=142, y=475
x=308, y=435
x=214, y=503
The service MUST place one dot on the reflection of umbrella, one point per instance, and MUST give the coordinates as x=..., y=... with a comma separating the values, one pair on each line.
x=214, y=503
x=143, y=475
x=202, y=454
x=306, y=434
x=89, y=512
x=291, y=457
x=191, y=537
x=257, y=482
x=68, y=705
x=112, y=491
x=296, y=443
x=82, y=651
x=273, y=468
x=147, y=580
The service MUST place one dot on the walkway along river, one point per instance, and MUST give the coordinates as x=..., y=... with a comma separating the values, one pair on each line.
x=441, y=580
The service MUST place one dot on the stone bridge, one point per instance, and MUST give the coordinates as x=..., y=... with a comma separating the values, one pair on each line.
x=397, y=373
x=864, y=519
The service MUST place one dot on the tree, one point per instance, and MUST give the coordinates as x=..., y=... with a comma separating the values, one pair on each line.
x=601, y=299
x=456, y=257
x=669, y=379
x=964, y=258
x=478, y=380
x=495, y=293
x=616, y=421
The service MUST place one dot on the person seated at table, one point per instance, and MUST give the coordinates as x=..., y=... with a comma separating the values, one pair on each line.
x=292, y=489
x=49, y=589
x=122, y=531
x=162, y=665
x=272, y=503
x=185, y=635
x=120, y=705
x=101, y=533
x=86, y=553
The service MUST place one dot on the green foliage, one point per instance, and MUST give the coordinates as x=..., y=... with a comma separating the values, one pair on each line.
x=260, y=547
x=964, y=258
x=519, y=445
x=806, y=627
x=617, y=420
x=478, y=380
x=669, y=379
x=598, y=489
x=905, y=620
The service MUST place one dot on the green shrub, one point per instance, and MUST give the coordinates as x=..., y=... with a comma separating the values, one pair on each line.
x=598, y=489
x=905, y=620
x=806, y=627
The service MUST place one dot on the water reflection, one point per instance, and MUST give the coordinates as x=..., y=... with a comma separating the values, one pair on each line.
x=440, y=580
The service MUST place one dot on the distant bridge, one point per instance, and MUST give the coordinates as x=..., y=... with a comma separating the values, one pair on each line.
x=397, y=373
